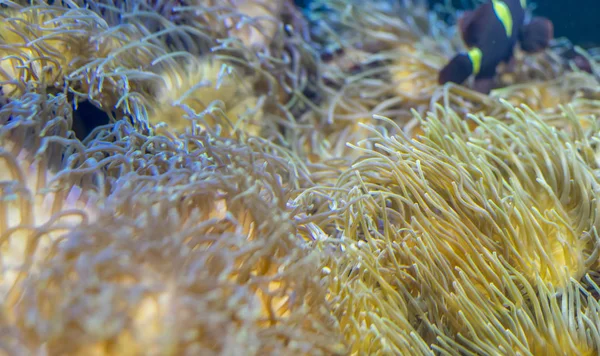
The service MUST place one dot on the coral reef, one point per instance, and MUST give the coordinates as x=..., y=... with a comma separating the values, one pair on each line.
x=270, y=180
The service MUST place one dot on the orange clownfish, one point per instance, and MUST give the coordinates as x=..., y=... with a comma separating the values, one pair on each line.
x=491, y=32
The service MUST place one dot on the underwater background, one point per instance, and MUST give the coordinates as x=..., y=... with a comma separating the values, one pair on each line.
x=279, y=177
x=575, y=20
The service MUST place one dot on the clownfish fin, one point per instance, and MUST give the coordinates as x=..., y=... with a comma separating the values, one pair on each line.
x=536, y=35
x=463, y=24
x=472, y=23
x=583, y=64
x=457, y=70
x=484, y=85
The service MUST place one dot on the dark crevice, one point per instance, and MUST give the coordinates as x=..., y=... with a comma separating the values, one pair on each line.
x=86, y=118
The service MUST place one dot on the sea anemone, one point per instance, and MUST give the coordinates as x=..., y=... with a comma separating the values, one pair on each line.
x=58, y=49
x=505, y=215
x=273, y=182
x=45, y=188
x=194, y=250
x=210, y=91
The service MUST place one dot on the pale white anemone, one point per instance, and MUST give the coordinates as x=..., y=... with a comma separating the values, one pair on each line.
x=42, y=195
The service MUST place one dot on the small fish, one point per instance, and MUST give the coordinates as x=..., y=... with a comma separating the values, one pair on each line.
x=491, y=32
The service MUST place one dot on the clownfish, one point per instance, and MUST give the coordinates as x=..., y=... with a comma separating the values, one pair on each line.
x=490, y=33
